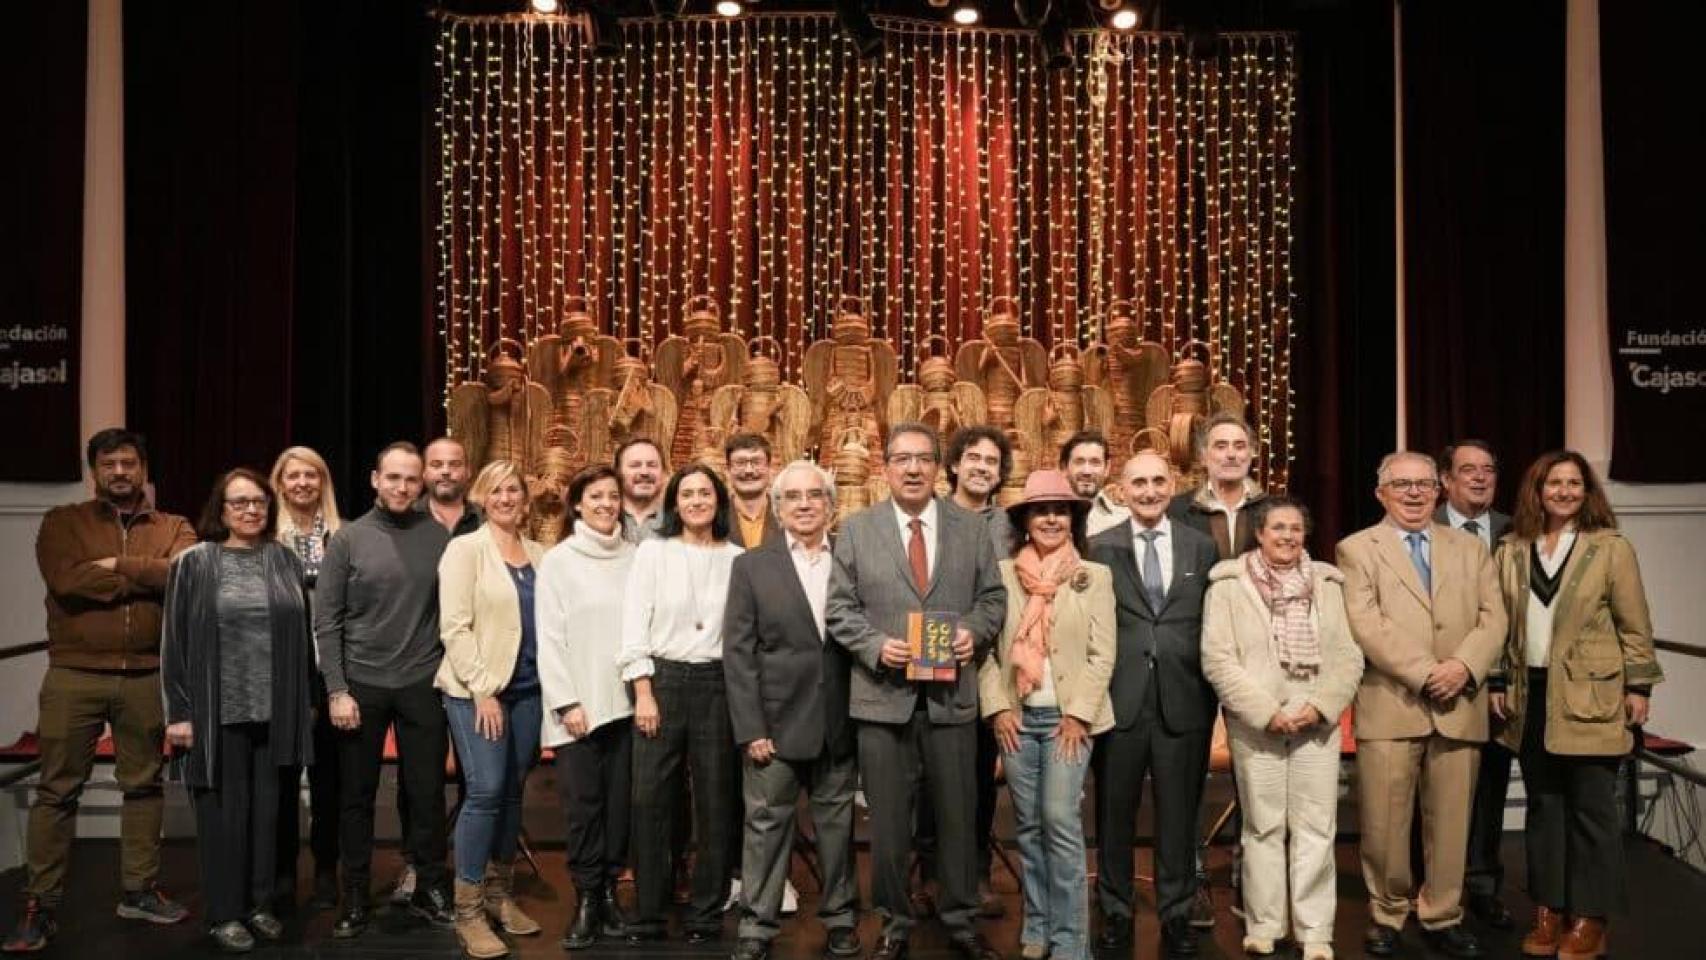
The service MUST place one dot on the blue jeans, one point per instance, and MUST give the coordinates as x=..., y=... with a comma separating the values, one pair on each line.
x=1047, y=792
x=492, y=772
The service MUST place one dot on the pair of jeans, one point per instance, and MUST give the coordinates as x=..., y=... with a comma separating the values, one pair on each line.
x=1047, y=790
x=421, y=746
x=493, y=772
x=236, y=825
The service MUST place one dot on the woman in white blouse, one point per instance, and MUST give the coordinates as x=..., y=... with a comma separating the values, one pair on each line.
x=588, y=714
x=672, y=653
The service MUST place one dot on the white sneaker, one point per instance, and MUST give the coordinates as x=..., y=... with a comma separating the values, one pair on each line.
x=1258, y=946
x=1317, y=951
x=790, y=899
x=734, y=896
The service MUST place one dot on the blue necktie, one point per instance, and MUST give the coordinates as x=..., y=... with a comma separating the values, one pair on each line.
x=1152, y=569
x=1420, y=559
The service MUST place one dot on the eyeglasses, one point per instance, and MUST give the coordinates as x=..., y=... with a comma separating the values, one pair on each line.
x=248, y=504
x=1405, y=486
x=911, y=459
x=749, y=463
x=815, y=495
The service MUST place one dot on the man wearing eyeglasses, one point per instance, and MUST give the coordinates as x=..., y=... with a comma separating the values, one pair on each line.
x=788, y=706
x=752, y=522
x=1469, y=476
x=911, y=554
x=1424, y=604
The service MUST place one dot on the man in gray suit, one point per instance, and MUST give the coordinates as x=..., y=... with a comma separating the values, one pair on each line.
x=1163, y=707
x=1469, y=476
x=788, y=705
x=914, y=553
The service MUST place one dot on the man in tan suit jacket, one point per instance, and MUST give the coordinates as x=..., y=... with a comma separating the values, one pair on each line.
x=1424, y=604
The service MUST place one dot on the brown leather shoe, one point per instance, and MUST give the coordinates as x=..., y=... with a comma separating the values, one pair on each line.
x=1584, y=941
x=1542, y=938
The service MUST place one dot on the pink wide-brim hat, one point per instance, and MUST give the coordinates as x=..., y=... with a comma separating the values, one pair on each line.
x=1047, y=486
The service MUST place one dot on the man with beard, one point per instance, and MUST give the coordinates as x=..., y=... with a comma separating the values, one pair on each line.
x=639, y=471
x=913, y=553
x=1220, y=507
x=1084, y=460
x=752, y=523
x=1469, y=475
x=104, y=562
x=377, y=632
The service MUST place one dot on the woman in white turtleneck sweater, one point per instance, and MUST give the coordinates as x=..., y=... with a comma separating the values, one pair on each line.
x=588, y=714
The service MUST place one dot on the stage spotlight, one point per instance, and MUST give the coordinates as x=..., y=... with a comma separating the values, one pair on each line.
x=1125, y=18
x=965, y=15
x=857, y=25
x=544, y=6
x=730, y=8
x=1057, y=45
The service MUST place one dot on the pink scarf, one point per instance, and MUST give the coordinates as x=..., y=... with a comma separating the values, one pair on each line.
x=1288, y=594
x=1040, y=578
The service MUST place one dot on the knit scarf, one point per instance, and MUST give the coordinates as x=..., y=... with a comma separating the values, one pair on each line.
x=1288, y=594
x=1040, y=577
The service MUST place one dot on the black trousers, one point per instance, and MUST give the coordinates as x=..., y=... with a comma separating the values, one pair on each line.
x=693, y=735
x=1574, y=839
x=1484, y=870
x=1177, y=764
x=236, y=824
x=323, y=801
x=422, y=739
x=593, y=777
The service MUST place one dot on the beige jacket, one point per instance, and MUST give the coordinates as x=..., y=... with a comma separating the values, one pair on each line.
x=1602, y=642
x=1082, y=659
x=479, y=615
x=1238, y=653
x=1404, y=632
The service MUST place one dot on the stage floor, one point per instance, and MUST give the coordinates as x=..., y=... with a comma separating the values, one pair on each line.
x=1664, y=892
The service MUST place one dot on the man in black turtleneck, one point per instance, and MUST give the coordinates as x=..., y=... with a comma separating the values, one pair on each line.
x=377, y=631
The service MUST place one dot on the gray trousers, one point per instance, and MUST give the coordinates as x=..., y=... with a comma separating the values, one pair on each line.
x=894, y=757
x=771, y=793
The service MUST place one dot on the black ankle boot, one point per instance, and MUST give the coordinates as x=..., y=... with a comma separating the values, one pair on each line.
x=583, y=932
x=612, y=922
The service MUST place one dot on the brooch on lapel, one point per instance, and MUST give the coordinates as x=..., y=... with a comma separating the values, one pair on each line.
x=1081, y=580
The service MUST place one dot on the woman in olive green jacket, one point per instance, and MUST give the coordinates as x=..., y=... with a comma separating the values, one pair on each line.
x=1577, y=672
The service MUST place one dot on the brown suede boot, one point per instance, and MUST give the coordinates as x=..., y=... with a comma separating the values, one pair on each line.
x=1542, y=938
x=478, y=940
x=501, y=905
x=1584, y=941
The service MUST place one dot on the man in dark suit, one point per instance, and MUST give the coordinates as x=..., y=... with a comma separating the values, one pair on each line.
x=752, y=521
x=1469, y=476
x=1163, y=707
x=788, y=705
x=914, y=553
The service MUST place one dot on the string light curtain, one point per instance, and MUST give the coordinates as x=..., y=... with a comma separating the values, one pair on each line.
x=760, y=161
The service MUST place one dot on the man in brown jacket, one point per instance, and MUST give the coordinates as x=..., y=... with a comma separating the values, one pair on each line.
x=104, y=562
x=1424, y=604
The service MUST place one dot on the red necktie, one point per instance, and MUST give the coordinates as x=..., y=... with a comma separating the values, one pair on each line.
x=918, y=557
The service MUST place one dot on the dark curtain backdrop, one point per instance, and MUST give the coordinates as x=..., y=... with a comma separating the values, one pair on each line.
x=1655, y=136
x=1342, y=364
x=1483, y=98
x=42, y=209
x=273, y=236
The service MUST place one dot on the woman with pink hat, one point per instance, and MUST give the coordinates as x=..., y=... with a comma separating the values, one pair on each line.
x=1045, y=693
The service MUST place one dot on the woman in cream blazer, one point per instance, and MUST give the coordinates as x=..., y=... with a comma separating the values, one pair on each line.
x=1045, y=693
x=490, y=681
x=1279, y=652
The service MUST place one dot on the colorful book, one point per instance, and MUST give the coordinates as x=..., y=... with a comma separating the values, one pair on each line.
x=931, y=637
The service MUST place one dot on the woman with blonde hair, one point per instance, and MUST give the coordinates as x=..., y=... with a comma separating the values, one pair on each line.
x=307, y=517
x=490, y=681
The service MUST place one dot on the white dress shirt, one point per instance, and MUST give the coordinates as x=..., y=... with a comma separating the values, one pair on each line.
x=673, y=609
x=1163, y=546
x=1484, y=522
x=1105, y=514
x=930, y=529
x=1537, y=636
x=813, y=568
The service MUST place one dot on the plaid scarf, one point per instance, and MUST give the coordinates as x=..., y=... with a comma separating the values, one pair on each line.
x=1288, y=594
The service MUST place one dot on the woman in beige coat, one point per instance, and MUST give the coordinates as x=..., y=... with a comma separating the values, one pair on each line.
x=1278, y=650
x=1576, y=674
x=1045, y=693
x=490, y=681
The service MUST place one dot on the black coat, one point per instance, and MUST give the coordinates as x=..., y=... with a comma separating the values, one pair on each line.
x=189, y=657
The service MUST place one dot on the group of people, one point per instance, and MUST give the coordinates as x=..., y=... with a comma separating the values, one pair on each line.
x=700, y=656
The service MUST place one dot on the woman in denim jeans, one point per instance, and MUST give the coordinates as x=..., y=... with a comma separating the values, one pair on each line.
x=1045, y=693
x=490, y=681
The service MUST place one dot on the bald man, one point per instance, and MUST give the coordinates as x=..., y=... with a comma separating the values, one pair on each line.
x=1163, y=707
